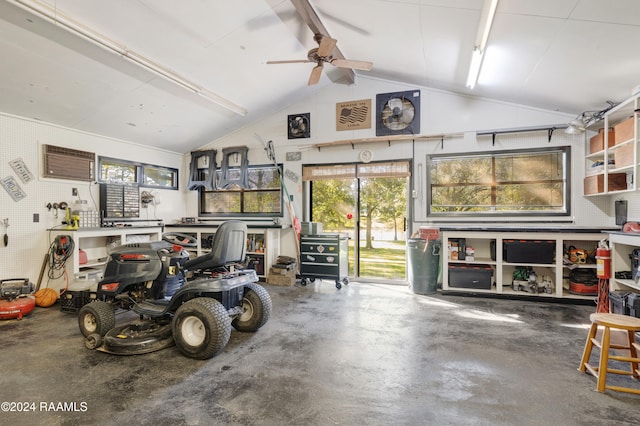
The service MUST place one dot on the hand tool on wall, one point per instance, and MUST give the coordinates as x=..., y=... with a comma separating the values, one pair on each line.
x=5, y=237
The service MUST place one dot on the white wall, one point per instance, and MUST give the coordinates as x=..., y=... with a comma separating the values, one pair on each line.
x=23, y=138
x=441, y=112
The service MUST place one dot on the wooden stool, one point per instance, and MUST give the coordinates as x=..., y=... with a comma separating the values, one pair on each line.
x=619, y=322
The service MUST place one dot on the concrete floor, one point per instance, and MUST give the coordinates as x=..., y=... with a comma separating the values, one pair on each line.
x=368, y=354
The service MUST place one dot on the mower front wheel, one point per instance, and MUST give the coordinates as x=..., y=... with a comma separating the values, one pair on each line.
x=96, y=317
x=256, y=309
x=201, y=328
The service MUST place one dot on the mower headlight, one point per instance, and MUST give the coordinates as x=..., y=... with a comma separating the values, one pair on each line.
x=109, y=287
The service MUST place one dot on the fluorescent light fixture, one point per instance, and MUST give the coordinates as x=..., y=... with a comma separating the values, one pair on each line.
x=484, y=28
x=53, y=15
x=474, y=68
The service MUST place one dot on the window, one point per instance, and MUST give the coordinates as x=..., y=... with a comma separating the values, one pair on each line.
x=263, y=197
x=527, y=182
x=113, y=170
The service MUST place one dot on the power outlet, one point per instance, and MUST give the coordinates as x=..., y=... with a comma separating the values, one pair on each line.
x=74, y=192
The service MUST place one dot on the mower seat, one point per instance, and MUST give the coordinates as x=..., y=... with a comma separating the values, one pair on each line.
x=228, y=247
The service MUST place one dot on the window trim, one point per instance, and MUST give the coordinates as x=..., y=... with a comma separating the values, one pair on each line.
x=565, y=150
x=278, y=189
x=140, y=173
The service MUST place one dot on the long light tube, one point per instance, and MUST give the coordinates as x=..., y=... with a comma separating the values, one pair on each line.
x=484, y=28
x=54, y=16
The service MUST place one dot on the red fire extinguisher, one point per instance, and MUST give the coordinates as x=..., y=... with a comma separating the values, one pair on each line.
x=603, y=263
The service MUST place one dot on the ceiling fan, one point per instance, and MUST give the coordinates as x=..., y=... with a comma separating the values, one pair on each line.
x=324, y=53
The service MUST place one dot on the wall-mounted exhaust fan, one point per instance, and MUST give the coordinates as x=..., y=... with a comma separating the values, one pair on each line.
x=299, y=126
x=398, y=113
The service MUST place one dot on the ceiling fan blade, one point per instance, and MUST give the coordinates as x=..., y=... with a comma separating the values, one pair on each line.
x=326, y=46
x=293, y=61
x=348, y=63
x=316, y=73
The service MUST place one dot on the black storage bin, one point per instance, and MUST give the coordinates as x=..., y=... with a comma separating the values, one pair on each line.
x=618, y=302
x=72, y=301
x=470, y=276
x=528, y=251
x=633, y=304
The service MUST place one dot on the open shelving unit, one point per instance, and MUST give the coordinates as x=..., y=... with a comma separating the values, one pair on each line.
x=263, y=243
x=486, y=243
x=613, y=167
x=622, y=246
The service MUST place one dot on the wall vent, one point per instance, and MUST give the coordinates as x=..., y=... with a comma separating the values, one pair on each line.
x=66, y=163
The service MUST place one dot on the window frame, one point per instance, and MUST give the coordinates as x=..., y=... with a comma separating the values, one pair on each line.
x=242, y=191
x=567, y=197
x=139, y=173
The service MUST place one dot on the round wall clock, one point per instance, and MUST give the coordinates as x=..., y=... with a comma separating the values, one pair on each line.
x=366, y=156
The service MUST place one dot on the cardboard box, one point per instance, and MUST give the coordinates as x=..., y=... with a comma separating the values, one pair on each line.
x=624, y=131
x=595, y=184
x=596, y=143
x=624, y=156
x=286, y=279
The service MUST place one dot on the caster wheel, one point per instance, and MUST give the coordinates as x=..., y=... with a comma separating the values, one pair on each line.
x=338, y=285
x=345, y=281
x=303, y=282
x=313, y=280
x=93, y=341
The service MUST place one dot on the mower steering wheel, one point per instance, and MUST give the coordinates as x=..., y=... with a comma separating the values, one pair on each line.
x=179, y=239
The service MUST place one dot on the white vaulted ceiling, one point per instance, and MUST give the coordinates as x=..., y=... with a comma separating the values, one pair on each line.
x=565, y=55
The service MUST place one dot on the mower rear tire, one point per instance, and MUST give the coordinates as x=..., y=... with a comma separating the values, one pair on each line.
x=201, y=328
x=96, y=317
x=256, y=309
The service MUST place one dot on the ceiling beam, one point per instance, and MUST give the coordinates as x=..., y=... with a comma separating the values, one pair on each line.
x=310, y=17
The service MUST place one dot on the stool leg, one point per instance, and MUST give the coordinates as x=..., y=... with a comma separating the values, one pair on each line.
x=586, y=353
x=633, y=352
x=604, y=358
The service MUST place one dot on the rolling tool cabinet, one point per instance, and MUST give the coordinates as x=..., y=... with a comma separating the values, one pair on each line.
x=324, y=256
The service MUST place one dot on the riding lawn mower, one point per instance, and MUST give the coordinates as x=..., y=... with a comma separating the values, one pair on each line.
x=190, y=302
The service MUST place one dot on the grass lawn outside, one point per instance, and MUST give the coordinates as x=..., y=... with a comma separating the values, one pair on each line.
x=387, y=259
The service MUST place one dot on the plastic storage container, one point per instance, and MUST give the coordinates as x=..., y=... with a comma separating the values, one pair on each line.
x=528, y=251
x=424, y=261
x=618, y=302
x=470, y=276
x=633, y=304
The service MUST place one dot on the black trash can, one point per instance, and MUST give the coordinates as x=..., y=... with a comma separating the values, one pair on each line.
x=423, y=265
